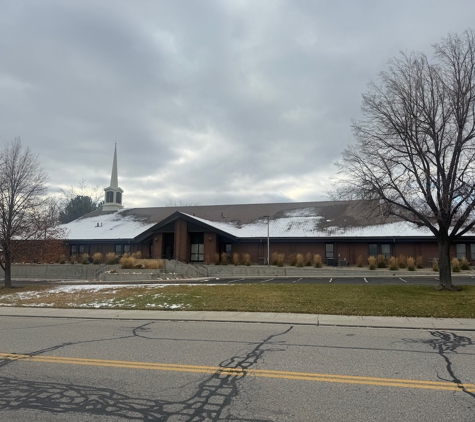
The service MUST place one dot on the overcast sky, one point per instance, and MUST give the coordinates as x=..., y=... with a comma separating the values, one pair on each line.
x=209, y=102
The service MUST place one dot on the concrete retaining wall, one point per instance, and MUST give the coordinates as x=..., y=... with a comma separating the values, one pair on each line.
x=58, y=271
x=87, y=272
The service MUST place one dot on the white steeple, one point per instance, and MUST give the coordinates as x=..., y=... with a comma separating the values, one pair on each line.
x=113, y=194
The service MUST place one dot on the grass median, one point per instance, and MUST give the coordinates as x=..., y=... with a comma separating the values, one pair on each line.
x=407, y=300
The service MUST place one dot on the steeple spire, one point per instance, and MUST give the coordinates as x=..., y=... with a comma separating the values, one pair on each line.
x=114, y=178
x=113, y=194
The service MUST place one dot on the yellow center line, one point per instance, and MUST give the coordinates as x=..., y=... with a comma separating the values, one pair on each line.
x=264, y=373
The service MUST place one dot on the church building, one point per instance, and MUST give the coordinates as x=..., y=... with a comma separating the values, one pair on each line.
x=341, y=232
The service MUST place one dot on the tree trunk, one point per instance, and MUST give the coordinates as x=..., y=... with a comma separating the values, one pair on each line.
x=8, y=271
x=445, y=271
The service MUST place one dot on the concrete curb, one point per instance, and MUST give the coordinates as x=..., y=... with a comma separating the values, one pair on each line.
x=445, y=324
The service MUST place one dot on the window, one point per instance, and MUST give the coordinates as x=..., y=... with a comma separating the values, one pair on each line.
x=197, y=247
x=74, y=250
x=329, y=251
x=118, y=197
x=461, y=250
x=386, y=250
x=373, y=249
x=229, y=253
x=472, y=251
x=118, y=250
x=126, y=248
x=109, y=196
x=82, y=249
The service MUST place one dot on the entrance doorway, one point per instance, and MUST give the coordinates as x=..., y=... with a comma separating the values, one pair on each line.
x=168, y=245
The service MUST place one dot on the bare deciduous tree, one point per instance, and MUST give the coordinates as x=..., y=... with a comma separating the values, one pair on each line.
x=415, y=149
x=22, y=199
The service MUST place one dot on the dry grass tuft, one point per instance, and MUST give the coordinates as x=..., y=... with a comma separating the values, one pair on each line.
x=372, y=263
x=359, y=261
x=299, y=260
x=308, y=259
x=111, y=258
x=402, y=261
x=293, y=260
x=246, y=259
x=224, y=258
x=455, y=263
x=411, y=264
x=393, y=264
x=236, y=259
x=464, y=264
x=317, y=261
x=127, y=262
x=381, y=261
x=97, y=258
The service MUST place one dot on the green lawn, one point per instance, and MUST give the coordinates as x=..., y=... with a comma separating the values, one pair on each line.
x=411, y=301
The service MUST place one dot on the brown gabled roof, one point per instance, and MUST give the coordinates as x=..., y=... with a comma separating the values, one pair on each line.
x=335, y=213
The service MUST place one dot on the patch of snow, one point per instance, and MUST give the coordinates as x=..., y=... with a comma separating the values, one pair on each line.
x=307, y=226
x=106, y=226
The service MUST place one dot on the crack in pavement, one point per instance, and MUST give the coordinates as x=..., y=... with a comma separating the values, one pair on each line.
x=444, y=343
x=213, y=396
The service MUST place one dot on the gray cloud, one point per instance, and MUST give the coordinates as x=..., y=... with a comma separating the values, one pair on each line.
x=209, y=102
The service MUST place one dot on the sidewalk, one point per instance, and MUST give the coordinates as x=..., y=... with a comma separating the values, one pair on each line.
x=456, y=324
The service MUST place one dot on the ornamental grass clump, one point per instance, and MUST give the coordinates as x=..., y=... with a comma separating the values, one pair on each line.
x=293, y=260
x=455, y=263
x=97, y=258
x=236, y=260
x=464, y=264
x=274, y=258
x=85, y=258
x=419, y=262
x=300, y=260
x=62, y=259
x=317, y=261
x=216, y=259
x=411, y=264
x=435, y=265
x=402, y=261
x=393, y=265
x=372, y=263
x=308, y=259
x=359, y=261
x=381, y=261
x=152, y=264
x=224, y=258
x=280, y=259
x=127, y=262
x=111, y=258
x=246, y=259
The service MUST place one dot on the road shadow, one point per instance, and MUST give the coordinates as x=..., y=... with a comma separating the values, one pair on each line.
x=210, y=401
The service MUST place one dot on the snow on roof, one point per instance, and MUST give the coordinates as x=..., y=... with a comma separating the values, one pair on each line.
x=297, y=223
x=106, y=226
x=302, y=223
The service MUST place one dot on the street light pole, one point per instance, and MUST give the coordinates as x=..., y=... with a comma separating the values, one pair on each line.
x=268, y=252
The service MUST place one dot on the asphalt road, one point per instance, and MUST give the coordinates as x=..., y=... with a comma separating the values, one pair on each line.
x=390, y=280
x=342, y=280
x=53, y=369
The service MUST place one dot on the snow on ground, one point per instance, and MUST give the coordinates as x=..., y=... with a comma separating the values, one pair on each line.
x=12, y=298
